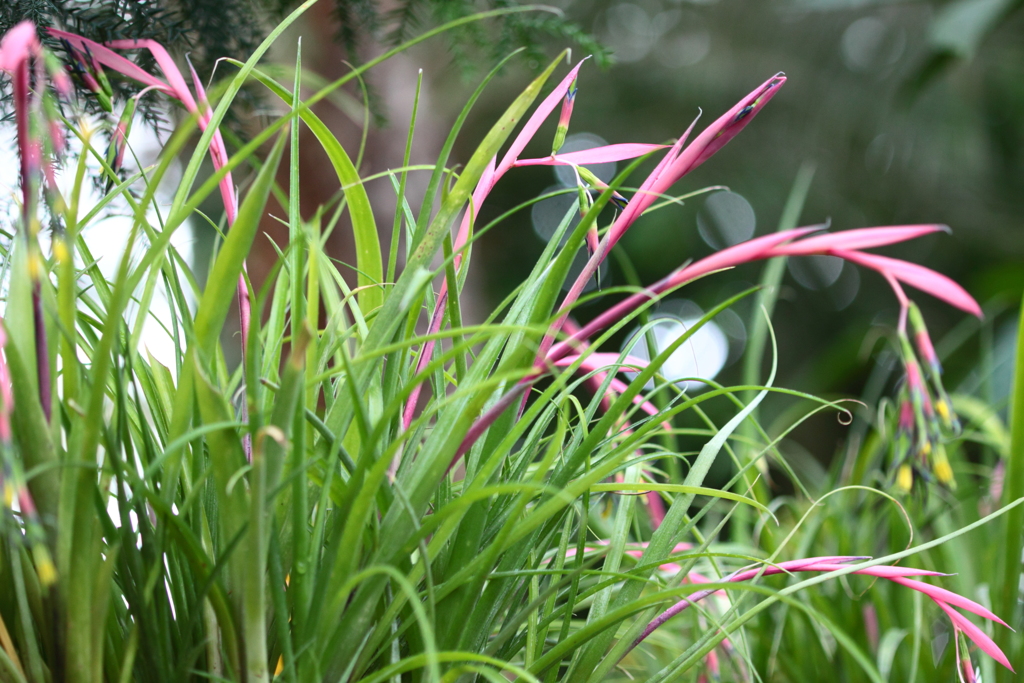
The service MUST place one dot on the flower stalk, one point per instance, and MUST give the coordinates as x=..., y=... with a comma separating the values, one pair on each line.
x=40, y=139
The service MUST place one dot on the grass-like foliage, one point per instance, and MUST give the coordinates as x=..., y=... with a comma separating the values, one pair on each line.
x=380, y=492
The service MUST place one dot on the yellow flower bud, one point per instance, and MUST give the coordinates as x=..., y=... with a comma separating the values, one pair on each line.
x=47, y=572
x=60, y=250
x=943, y=472
x=905, y=477
x=34, y=266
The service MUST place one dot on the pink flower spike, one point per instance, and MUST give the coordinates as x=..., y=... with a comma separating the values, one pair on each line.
x=654, y=185
x=947, y=596
x=881, y=571
x=18, y=45
x=925, y=279
x=596, y=155
x=533, y=124
x=175, y=87
x=493, y=174
x=483, y=188
x=979, y=637
x=751, y=250
x=809, y=564
x=861, y=238
x=218, y=151
x=678, y=162
x=726, y=127
x=167, y=66
x=896, y=574
x=607, y=361
x=112, y=60
x=202, y=104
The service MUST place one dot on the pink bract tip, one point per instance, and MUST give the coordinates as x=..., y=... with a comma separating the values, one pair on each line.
x=925, y=279
x=17, y=45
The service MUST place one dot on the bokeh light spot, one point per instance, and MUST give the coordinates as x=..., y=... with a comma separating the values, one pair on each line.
x=703, y=355
x=871, y=44
x=547, y=214
x=815, y=272
x=726, y=219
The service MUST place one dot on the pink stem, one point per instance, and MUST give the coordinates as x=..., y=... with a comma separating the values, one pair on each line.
x=30, y=163
x=488, y=418
x=425, y=353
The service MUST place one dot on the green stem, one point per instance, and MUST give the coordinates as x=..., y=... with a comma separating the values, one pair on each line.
x=1006, y=600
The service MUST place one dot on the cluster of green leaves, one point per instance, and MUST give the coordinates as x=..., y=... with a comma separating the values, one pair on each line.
x=315, y=538
x=849, y=512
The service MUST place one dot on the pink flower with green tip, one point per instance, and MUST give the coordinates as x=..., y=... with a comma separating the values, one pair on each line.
x=87, y=71
x=563, y=118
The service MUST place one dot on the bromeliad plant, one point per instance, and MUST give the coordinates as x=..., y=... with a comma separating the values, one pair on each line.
x=337, y=525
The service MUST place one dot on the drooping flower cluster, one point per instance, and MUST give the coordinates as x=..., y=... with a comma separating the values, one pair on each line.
x=174, y=86
x=925, y=412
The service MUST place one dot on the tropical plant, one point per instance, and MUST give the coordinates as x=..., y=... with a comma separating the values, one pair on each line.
x=337, y=523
